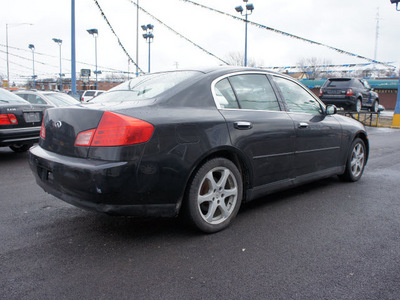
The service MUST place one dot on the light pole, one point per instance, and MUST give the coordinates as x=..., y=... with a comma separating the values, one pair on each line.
x=148, y=36
x=59, y=42
x=396, y=115
x=95, y=33
x=239, y=9
x=8, y=64
x=32, y=47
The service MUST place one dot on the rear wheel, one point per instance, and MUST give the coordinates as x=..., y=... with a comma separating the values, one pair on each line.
x=356, y=160
x=214, y=195
x=358, y=105
x=20, y=147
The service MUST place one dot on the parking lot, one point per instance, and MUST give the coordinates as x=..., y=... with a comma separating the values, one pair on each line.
x=325, y=240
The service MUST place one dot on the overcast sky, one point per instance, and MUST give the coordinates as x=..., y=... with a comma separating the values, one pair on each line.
x=345, y=24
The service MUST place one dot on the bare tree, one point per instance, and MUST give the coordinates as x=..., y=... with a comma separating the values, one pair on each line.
x=313, y=67
x=237, y=59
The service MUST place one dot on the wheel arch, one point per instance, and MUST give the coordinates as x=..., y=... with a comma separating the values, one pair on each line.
x=230, y=153
x=363, y=136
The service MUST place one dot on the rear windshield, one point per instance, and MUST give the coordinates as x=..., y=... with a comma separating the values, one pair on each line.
x=145, y=87
x=338, y=83
x=59, y=99
x=8, y=97
x=90, y=93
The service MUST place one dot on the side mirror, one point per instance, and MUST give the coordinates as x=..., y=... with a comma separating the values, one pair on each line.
x=331, y=110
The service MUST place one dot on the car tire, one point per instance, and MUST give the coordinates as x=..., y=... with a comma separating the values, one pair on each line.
x=19, y=148
x=214, y=195
x=358, y=105
x=356, y=160
x=375, y=106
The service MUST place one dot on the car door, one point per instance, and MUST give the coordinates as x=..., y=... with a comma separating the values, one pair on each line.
x=257, y=127
x=366, y=93
x=318, y=136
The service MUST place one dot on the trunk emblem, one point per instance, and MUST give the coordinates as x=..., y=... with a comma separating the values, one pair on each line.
x=58, y=124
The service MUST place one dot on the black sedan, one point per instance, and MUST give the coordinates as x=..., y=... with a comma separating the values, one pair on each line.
x=194, y=142
x=19, y=122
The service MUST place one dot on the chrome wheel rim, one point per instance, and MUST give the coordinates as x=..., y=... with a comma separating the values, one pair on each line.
x=217, y=195
x=376, y=106
x=357, y=160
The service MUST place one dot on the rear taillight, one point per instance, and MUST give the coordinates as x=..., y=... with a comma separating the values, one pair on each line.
x=321, y=92
x=349, y=92
x=43, y=131
x=8, y=119
x=116, y=130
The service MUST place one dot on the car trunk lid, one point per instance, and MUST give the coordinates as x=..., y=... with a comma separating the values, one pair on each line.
x=62, y=125
x=24, y=115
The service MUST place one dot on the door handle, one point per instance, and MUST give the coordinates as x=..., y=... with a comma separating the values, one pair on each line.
x=242, y=125
x=303, y=125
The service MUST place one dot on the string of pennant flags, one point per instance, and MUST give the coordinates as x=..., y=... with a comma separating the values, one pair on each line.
x=287, y=34
x=177, y=33
x=258, y=25
x=119, y=40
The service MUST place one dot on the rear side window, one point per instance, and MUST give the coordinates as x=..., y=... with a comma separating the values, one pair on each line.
x=225, y=95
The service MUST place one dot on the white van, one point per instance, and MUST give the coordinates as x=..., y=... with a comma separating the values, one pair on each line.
x=90, y=94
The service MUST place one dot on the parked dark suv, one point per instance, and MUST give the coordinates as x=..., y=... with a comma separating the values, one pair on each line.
x=349, y=93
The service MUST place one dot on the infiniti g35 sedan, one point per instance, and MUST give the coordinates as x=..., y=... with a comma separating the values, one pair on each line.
x=198, y=143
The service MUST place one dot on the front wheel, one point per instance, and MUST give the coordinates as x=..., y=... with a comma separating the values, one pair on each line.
x=356, y=161
x=214, y=195
x=375, y=106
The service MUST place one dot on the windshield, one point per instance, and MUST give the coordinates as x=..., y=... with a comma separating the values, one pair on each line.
x=8, y=97
x=59, y=99
x=145, y=87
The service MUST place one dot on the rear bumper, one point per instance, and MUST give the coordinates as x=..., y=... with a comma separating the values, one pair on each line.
x=102, y=186
x=339, y=101
x=27, y=135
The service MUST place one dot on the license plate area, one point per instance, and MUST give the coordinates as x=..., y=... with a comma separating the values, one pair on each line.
x=32, y=117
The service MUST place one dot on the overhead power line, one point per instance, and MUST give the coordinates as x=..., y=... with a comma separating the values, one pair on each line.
x=64, y=59
x=288, y=34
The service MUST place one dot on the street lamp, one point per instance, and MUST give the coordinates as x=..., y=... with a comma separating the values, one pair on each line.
x=397, y=3
x=59, y=42
x=32, y=47
x=95, y=33
x=148, y=36
x=8, y=64
x=239, y=9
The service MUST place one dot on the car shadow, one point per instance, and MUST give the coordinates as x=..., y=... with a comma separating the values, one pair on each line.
x=128, y=228
x=6, y=154
x=288, y=195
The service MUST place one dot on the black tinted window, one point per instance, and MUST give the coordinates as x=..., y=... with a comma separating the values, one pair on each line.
x=338, y=83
